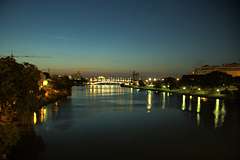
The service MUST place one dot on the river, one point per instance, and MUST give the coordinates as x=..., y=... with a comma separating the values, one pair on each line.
x=108, y=121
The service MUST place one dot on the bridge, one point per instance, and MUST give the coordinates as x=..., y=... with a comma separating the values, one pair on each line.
x=108, y=82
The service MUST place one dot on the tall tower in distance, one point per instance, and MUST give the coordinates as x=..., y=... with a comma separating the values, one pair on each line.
x=135, y=76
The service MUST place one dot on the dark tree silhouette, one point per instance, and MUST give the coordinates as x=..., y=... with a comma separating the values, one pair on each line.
x=141, y=83
x=18, y=87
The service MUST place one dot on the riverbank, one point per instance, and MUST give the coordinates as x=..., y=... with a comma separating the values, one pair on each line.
x=52, y=95
x=202, y=93
x=16, y=128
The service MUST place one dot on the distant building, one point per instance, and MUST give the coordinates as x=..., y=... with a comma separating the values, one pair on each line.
x=135, y=76
x=76, y=76
x=231, y=69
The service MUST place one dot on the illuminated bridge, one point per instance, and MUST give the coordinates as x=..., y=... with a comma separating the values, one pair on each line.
x=108, y=81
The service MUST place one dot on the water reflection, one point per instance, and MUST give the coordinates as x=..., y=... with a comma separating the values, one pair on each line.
x=149, y=101
x=223, y=113
x=183, y=102
x=40, y=116
x=131, y=100
x=43, y=114
x=18, y=139
x=219, y=112
x=86, y=125
x=131, y=90
x=216, y=113
x=163, y=100
x=105, y=90
x=190, y=103
x=198, y=105
x=34, y=118
x=55, y=107
x=198, y=120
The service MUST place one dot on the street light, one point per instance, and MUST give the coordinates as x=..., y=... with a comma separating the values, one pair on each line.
x=45, y=83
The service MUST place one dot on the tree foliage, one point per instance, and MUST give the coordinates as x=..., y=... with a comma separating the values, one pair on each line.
x=213, y=79
x=141, y=83
x=18, y=85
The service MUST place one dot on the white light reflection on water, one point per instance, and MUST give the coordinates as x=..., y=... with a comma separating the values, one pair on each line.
x=216, y=113
x=163, y=100
x=223, y=113
x=219, y=112
x=105, y=90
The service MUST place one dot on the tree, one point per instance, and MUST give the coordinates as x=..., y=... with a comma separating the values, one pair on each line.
x=18, y=87
x=215, y=79
x=141, y=83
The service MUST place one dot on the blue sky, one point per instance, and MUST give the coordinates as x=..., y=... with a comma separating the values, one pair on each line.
x=155, y=36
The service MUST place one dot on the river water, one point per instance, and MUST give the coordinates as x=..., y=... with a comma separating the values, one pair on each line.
x=108, y=121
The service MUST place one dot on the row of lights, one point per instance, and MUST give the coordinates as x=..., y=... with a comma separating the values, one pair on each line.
x=199, y=89
x=155, y=79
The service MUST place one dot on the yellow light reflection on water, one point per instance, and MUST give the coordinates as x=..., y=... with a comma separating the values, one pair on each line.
x=183, y=102
x=198, y=120
x=149, y=101
x=190, y=103
x=198, y=105
x=34, y=118
x=216, y=113
x=43, y=114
